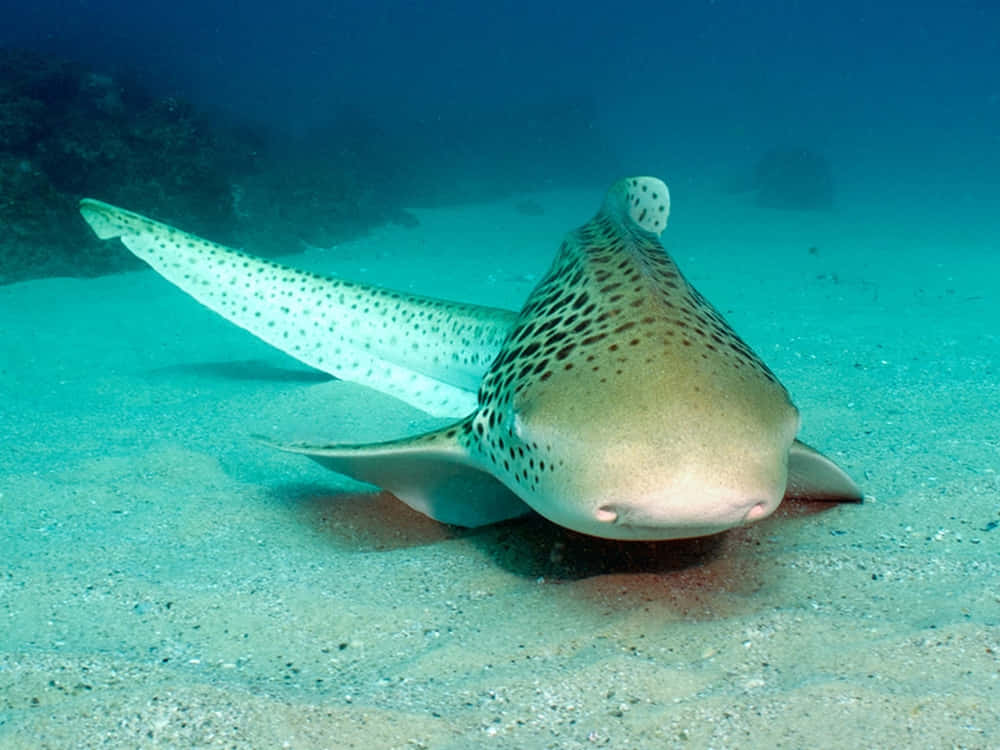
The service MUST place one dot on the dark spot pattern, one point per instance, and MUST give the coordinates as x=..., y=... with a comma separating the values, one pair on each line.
x=397, y=343
x=612, y=303
x=611, y=315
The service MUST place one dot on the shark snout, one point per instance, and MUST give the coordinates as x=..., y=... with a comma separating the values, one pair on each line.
x=679, y=518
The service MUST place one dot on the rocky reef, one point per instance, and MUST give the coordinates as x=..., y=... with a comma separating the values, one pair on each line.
x=67, y=132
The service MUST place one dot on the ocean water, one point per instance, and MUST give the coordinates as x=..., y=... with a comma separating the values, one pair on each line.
x=168, y=582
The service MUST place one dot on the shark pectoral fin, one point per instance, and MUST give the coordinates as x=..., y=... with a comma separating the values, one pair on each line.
x=431, y=473
x=813, y=476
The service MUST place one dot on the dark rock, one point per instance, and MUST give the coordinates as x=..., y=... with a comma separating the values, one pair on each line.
x=36, y=218
x=529, y=207
x=404, y=218
x=794, y=178
x=67, y=132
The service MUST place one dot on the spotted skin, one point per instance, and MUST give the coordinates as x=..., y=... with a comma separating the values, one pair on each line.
x=610, y=313
x=618, y=402
x=428, y=352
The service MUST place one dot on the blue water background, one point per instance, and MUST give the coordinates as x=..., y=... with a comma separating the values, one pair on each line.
x=900, y=97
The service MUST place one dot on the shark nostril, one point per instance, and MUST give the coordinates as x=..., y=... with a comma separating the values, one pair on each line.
x=606, y=514
x=757, y=511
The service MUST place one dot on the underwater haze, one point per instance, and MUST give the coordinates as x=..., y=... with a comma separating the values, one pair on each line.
x=167, y=581
x=880, y=88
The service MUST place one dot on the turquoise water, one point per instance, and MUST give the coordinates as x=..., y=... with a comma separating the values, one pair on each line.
x=169, y=582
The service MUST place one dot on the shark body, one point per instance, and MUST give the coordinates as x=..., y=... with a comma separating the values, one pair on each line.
x=617, y=402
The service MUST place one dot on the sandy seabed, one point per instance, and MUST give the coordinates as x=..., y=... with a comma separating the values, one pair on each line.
x=166, y=582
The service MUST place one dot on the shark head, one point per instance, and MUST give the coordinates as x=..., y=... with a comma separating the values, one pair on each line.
x=622, y=404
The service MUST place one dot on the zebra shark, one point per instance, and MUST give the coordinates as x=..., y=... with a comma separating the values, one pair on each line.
x=618, y=402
